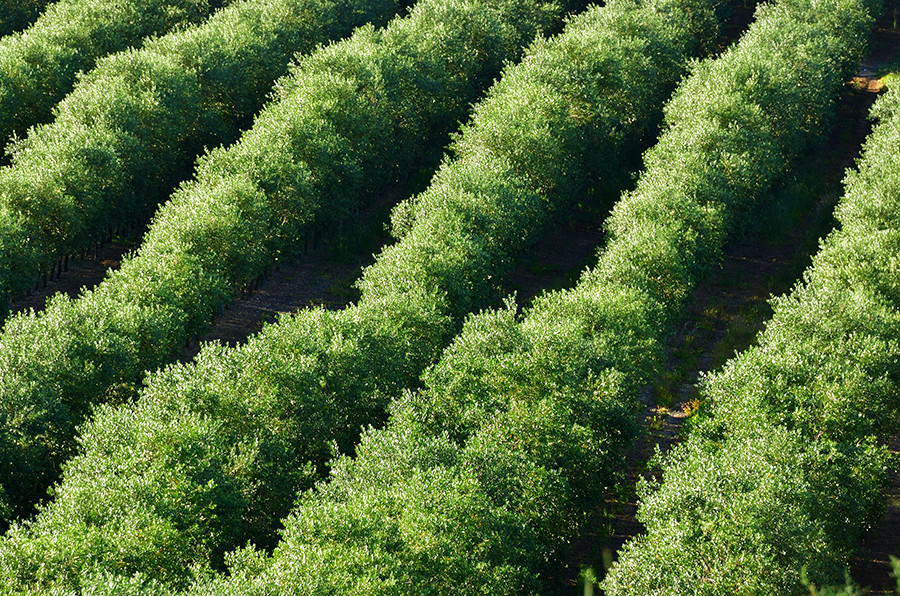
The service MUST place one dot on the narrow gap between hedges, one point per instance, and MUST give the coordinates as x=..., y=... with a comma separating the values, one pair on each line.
x=83, y=272
x=872, y=566
x=322, y=276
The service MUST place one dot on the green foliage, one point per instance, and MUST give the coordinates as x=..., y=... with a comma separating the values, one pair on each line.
x=130, y=131
x=210, y=455
x=531, y=140
x=38, y=66
x=251, y=202
x=398, y=523
x=334, y=372
x=540, y=408
x=895, y=563
x=481, y=477
x=774, y=490
x=848, y=589
x=744, y=514
x=121, y=140
x=266, y=415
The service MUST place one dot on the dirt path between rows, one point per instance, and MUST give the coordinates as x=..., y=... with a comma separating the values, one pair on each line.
x=872, y=567
x=86, y=272
x=316, y=280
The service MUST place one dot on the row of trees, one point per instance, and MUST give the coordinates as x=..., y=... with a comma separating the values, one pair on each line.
x=133, y=126
x=479, y=479
x=212, y=454
x=39, y=65
x=352, y=117
x=785, y=473
x=121, y=141
x=16, y=15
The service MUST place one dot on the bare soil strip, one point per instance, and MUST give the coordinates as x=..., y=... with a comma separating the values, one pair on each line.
x=872, y=568
x=558, y=259
x=86, y=272
x=322, y=277
x=314, y=281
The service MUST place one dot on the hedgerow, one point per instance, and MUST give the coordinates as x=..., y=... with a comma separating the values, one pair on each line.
x=479, y=479
x=785, y=474
x=269, y=411
x=122, y=139
x=352, y=117
x=39, y=65
x=133, y=126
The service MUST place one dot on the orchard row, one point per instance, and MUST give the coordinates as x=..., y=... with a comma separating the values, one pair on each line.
x=497, y=432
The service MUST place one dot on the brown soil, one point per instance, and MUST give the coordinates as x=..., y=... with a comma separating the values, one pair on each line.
x=317, y=280
x=872, y=567
x=87, y=272
x=559, y=257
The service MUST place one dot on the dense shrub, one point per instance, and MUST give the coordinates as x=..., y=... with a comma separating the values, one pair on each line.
x=524, y=421
x=122, y=139
x=220, y=232
x=349, y=121
x=39, y=65
x=785, y=474
x=131, y=129
x=317, y=377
